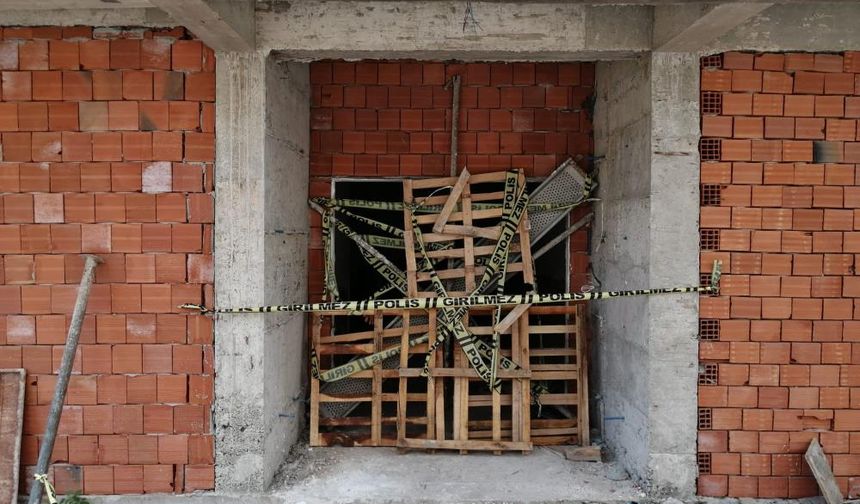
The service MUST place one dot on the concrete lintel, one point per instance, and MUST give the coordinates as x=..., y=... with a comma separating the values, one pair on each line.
x=445, y=30
x=224, y=25
x=688, y=28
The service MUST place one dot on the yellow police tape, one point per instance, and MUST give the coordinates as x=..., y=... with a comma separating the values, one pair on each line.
x=49, y=488
x=370, y=305
x=454, y=326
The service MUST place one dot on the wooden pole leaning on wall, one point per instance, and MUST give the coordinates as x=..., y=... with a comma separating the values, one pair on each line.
x=455, y=122
x=47, y=444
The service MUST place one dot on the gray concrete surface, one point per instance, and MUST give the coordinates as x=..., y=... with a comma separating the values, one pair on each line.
x=620, y=244
x=646, y=235
x=673, y=260
x=262, y=112
x=347, y=475
x=440, y=29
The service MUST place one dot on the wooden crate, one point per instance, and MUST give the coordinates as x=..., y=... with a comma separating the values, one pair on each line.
x=454, y=408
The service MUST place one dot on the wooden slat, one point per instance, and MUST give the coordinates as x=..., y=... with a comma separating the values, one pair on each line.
x=473, y=444
x=582, y=381
x=451, y=202
x=477, y=215
x=545, y=399
x=468, y=372
x=368, y=335
x=315, y=440
x=435, y=183
x=11, y=423
x=376, y=403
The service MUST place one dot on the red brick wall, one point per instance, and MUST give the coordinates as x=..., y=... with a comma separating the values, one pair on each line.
x=780, y=347
x=107, y=148
x=393, y=118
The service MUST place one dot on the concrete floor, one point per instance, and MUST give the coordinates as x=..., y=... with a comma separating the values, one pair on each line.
x=353, y=475
x=384, y=476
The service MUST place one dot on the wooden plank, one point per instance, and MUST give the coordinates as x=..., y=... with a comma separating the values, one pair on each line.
x=473, y=444
x=823, y=475
x=477, y=215
x=511, y=317
x=11, y=422
x=469, y=373
x=402, y=383
x=438, y=386
x=582, y=453
x=469, y=275
x=368, y=335
x=315, y=440
x=545, y=399
x=376, y=385
x=491, y=233
x=451, y=202
x=447, y=274
x=525, y=329
x=365, y=421
x=441, y=199
x=479, y=178
x=582, y=379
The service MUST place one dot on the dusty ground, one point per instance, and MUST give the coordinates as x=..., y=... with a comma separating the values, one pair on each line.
x=385, y=476
x=347, y=475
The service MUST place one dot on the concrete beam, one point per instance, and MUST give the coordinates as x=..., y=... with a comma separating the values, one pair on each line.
x=14, y=5
x=796, y=28
x=689, y=28
x=90, y=17
x=224, y=25
x=508, y=30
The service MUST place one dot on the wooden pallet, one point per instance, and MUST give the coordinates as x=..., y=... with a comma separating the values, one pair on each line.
x=454, y=409
x=458, y=226
x=377, y=419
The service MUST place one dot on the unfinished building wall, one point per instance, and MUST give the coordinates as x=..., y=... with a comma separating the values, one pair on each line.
x=393, y=119
x=107, y=147
x=779, y=208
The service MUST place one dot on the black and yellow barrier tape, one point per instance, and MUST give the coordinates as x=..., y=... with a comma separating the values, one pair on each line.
x=496, y=265
x=49, y=488
x=398, y=206
x=370, y=305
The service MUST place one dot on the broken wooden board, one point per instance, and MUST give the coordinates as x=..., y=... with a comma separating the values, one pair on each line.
x=591, y=453
x=11, y=421
x=823, y=475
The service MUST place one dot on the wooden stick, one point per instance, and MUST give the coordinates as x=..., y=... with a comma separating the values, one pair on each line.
x=451, y=202
x=510, y=318
x=455, y=122
x=376, y=402
x=473, y=231
x=315, y=439
x=47, y=444
x=569, y=231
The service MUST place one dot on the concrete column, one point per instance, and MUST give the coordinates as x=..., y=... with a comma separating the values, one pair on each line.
x=674, y=260
x=261, y=228
x=646, y=235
